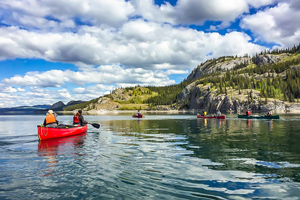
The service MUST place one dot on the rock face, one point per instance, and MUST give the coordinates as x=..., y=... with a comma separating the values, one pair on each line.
x=119, y=94
x=105, y=103
x=217, y=65
x=213, y=66
x=187, y=91
x=199, y=98
x=268, y=59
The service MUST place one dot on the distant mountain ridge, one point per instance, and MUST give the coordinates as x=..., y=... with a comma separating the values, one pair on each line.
x=37, y=109
x=21, y=110
x=59, y=106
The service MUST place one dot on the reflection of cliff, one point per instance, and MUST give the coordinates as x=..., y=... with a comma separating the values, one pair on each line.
x=52, y=148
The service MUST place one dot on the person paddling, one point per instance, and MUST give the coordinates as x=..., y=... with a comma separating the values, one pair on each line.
x=248, y=113
x=139, y=113
x=269, y=113
x=219, y=113
x=78, y=119
x=50, y=120
x=204, y=113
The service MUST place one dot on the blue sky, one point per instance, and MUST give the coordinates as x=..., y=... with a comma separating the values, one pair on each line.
x=79, y=50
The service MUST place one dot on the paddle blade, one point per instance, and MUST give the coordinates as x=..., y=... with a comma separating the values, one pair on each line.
x=95, y=125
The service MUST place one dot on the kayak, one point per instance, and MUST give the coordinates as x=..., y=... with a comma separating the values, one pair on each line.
x=137, y=116
x=258, y=116
x=211, y=117
x=46, y=133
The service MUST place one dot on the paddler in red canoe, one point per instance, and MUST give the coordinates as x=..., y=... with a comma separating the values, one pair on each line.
x=139, y=113
x=50, y=120
x=78, y=119
x=219, y=114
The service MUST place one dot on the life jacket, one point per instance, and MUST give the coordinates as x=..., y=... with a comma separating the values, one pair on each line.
x=76, y=119
x=50, y=119
x=205, y=113
x=248, y=113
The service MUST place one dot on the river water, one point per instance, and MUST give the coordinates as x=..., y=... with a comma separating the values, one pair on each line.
x=157, y=157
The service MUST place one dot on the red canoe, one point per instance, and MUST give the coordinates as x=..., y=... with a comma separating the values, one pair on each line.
x=137, y=116
x=46, y=133
x=211, y=117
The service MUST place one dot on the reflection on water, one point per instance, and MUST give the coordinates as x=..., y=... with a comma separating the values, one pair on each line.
x=52, y=148
x=157, y=157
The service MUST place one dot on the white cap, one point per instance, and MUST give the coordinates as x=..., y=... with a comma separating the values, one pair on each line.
x=50, y=111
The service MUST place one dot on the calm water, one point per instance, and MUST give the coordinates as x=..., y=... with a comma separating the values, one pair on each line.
x=157, y=157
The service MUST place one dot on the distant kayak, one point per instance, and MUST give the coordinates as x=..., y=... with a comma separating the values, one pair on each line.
x=258, y=116
x=46, y=133
x=211, y=117
x=137, y=116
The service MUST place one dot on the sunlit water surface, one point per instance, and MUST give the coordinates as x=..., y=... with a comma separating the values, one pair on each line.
x=157, y=157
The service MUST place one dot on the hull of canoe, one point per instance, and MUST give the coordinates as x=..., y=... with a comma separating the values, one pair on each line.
x=46, y=133
x=258, y=117
x=211, y=117
x=136, y=116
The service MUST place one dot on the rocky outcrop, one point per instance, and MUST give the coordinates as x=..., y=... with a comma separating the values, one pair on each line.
x=104, y=103
x=200, y=98
x=187, y=91
x=268, y=59
x=213, y=66
x=213, y=102
x=229, y=63
x=119, y=94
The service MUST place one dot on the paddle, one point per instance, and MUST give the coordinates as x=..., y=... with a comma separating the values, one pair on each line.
x=95, y=125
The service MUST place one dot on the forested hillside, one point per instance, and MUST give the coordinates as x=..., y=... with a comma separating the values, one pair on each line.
x=237, y=80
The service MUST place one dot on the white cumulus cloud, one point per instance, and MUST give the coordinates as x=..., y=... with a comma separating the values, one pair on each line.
x=275, y=25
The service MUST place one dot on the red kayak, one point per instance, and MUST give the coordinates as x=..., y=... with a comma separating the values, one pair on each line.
x=46, y=133
x=137, y=116
x=211, y=117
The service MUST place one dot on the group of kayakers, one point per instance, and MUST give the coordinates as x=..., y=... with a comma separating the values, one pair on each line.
x=51, y=121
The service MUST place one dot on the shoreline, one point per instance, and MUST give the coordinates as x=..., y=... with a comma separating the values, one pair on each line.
x=131, y=112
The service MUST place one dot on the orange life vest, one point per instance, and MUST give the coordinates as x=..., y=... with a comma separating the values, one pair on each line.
x=76, y=119
x=50, y=119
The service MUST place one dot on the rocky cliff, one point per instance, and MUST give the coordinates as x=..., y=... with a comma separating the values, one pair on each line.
x=228, y=63
x=200, y=98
